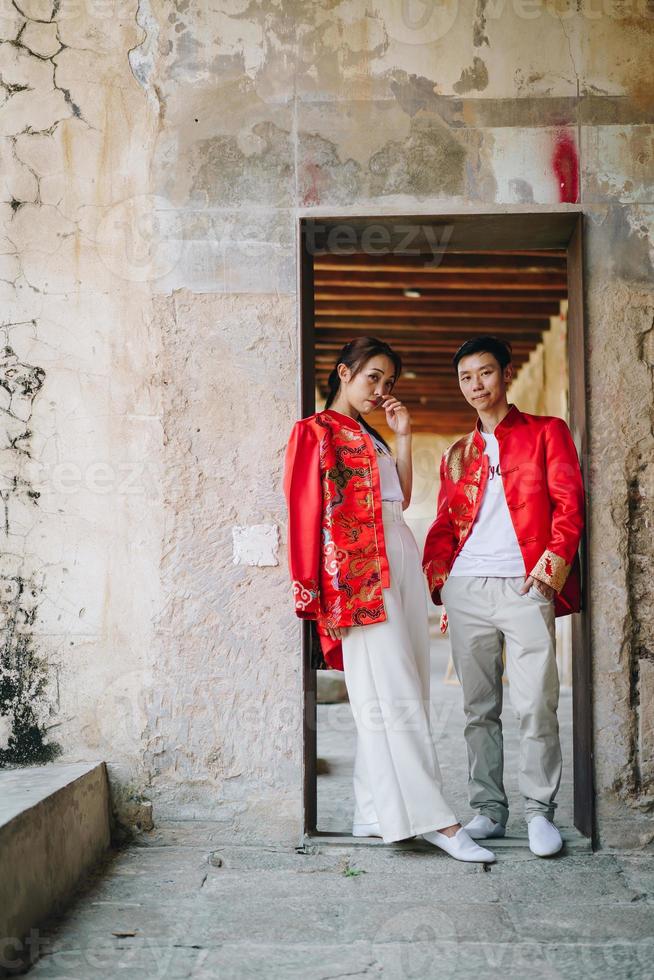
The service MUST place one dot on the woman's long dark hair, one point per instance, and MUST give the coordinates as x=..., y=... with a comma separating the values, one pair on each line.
x=355, y=356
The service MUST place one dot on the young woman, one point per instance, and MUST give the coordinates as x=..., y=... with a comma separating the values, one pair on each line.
x=356, y=570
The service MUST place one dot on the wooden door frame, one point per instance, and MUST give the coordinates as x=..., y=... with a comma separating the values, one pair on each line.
x=497, y=231
x=582, y=675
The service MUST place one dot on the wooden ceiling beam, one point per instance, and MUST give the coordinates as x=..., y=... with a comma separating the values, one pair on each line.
x=464, y=270
x=424, y=341
x=442, y=263
x=379, y=290
x=405, y=307
x=431, y=328
x=411, y=359
x=412, y=356
x=427, y=354
x=435, y=296
x=427, y=351
x=452, y=328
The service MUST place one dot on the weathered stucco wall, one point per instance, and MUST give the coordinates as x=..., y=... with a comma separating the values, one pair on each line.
x=80, y=419
x=541, y=385
x=224, y=707
x=155, y=158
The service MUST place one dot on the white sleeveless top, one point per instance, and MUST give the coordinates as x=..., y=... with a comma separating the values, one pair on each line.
x=389, y=479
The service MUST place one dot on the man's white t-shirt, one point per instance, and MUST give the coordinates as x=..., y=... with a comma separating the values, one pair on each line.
x=492, y=547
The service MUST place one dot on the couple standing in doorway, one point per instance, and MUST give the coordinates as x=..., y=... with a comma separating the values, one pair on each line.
x=501, y=556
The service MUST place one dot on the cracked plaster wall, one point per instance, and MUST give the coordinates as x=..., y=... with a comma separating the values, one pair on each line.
x=155, y=158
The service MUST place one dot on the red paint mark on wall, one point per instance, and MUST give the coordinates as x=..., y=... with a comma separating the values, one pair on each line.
x=311, y=193
x=565, y=163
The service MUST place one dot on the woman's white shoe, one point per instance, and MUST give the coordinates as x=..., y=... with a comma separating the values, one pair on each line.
x=461, y=846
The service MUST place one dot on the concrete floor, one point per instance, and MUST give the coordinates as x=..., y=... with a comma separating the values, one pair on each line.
x=183, y=905
x=181, y=902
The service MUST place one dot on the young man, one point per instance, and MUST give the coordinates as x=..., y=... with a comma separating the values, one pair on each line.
x=502, y=558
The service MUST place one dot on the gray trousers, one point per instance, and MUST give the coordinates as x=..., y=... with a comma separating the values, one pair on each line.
x=483, y=614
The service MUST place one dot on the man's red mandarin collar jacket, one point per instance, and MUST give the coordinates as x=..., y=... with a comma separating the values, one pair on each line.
x=544, y=493
x=336, y=547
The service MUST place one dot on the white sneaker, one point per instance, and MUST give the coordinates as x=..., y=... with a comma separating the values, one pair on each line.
x=544, y=837
x=366, y=830
x=482, y=827
x=461, y=846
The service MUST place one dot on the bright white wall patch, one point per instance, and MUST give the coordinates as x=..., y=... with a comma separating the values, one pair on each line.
x=256, y=544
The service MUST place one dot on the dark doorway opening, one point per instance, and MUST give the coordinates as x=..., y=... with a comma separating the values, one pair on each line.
x=422, y=282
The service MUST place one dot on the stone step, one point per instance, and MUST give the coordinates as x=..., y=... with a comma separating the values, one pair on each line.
x=54, y=826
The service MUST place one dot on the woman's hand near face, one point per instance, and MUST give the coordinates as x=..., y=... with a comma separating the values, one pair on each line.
x=399, y=421
x=397, y=415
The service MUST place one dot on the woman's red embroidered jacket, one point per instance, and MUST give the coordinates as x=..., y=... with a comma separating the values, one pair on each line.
x=336, y=548
x=544, y=493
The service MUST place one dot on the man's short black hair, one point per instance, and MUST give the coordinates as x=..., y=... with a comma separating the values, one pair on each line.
x=500, y=349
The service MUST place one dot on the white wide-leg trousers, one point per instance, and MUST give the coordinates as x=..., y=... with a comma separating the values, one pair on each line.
x=397, y=781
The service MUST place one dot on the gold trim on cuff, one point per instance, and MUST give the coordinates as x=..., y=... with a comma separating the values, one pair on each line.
x=551, y=569
x=436, y=572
